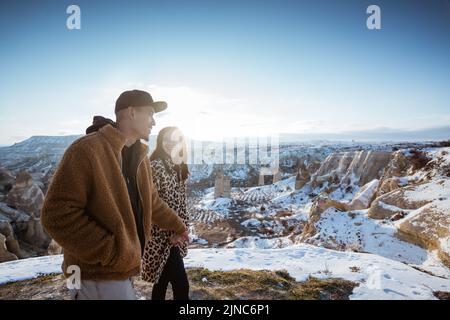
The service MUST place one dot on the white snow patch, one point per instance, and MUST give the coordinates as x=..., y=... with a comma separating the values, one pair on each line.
x=260, y=243
x=251, y=223
x=218, y=205
x=367, y=192
x=378, y=277
x=29, y=268
x=357, y=232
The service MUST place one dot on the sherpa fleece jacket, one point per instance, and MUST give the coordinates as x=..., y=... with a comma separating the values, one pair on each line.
x=87, y=208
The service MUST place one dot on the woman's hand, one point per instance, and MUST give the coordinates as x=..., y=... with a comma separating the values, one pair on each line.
x=178, y=239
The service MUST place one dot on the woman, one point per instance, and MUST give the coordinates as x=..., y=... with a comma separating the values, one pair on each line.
x=163, y=254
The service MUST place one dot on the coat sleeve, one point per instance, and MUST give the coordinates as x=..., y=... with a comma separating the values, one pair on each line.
x=162, y=215
x=64, y=216
x=159, y=180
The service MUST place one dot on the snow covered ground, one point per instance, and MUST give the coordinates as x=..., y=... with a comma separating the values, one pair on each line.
x=389, y=269
x=218, y=205
x=378, y=277
x=29, y=268
x=356, y=232
x=260, y=243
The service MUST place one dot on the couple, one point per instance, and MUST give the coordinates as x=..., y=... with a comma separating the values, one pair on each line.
x=115, y=212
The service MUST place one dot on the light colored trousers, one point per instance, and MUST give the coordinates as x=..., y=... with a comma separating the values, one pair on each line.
x=104, y=290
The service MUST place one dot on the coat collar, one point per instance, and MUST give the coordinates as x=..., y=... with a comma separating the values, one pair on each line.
x=117, y=139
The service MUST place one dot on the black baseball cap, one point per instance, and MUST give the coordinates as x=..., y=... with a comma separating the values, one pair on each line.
x=138, y=98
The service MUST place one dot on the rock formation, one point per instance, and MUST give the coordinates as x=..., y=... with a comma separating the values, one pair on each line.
x=5, y=255
x=302, y=177
x=26, y=195
x=22, y=231
x=6, y=180
x=364, y=196
x=413, y=189
x=54, y=248
x=222, y=186
x=269, y=176
x=320, y=205
x=346, y=169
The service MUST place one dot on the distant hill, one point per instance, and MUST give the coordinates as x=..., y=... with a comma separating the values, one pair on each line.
x=377, y=134
x=38, y=153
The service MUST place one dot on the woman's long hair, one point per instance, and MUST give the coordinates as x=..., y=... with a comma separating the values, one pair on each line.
x=181, y=169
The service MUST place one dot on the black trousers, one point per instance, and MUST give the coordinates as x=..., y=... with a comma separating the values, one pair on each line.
x=174, y=273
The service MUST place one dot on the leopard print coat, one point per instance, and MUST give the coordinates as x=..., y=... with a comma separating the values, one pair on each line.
x=173, y=192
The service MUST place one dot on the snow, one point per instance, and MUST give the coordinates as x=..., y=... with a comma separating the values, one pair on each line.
x=268, y=193
x=378, y=277
x=251, y=223
x=260, y=243
x=357, y=232
x=201, y=241
x=36, y=154
x=386, y=271
x=430, y=191
x=193, y=237
x=437, y=193
x=341, y=193
x=434, y=265
x=296, y=200
x=391, y=207
x=29, y=268
x=443, y=152
x=274, y=225
x=445, y=245
x=218, y=205
x=366, y=193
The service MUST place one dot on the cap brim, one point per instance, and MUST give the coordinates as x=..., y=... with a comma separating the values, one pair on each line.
x=159, y=106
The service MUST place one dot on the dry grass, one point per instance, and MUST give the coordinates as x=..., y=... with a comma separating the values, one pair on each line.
x=47, y=287
x=240, y=284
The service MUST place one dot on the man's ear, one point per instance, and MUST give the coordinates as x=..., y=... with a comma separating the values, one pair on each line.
x=131, y=112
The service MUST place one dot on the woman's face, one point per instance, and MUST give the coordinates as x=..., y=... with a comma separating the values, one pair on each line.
x=174, y=145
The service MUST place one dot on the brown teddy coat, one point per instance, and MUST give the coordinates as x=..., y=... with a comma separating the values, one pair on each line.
x=87, y=209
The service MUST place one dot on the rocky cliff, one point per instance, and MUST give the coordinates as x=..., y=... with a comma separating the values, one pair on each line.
x=406, y=192
x=342, y=174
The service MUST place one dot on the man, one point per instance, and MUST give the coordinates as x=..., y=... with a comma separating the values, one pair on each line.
x=102, y=201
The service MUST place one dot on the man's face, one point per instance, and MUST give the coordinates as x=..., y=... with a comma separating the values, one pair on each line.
x=142, y=121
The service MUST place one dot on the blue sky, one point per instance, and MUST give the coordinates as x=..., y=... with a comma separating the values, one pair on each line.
x=226, y=67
